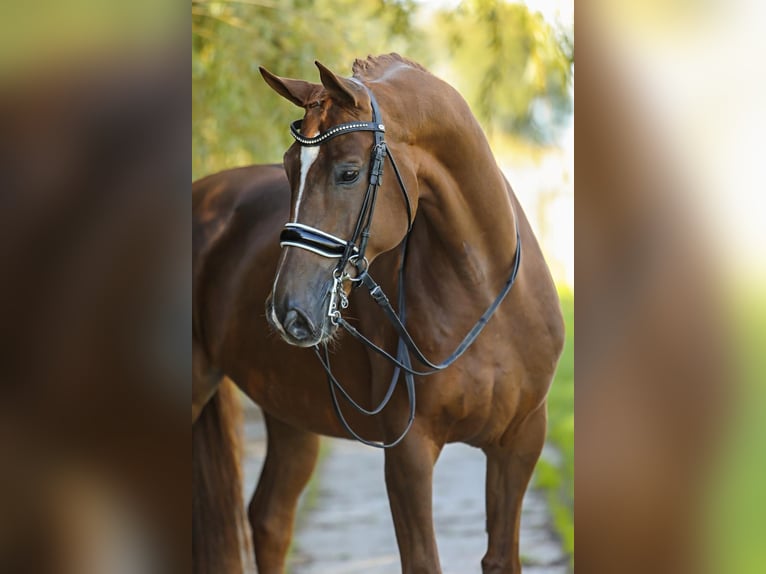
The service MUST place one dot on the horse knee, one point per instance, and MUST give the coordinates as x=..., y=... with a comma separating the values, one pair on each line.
x=270, y=535
x=269, y=529
x=424, y=566
x=496, y=565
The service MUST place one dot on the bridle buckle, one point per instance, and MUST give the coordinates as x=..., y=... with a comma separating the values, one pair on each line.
x=338, y=298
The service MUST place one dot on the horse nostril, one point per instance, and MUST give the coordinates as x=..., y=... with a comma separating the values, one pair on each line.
x=297, y=325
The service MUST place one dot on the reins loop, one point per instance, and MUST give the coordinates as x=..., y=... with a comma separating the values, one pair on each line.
x=352, y=252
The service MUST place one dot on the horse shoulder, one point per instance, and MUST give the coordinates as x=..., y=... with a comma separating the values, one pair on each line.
x=230, y=209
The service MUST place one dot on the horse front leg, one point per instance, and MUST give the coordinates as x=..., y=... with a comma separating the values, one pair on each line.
x=290, y=460
x=509, y=468
x=409, y=474
x=205, y=380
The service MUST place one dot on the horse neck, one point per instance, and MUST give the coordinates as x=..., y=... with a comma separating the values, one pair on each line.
x=464, y=240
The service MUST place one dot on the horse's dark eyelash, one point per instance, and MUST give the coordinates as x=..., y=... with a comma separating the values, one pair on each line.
x=340, y=179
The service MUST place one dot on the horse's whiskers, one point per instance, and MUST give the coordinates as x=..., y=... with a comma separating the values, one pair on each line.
x=330, y=337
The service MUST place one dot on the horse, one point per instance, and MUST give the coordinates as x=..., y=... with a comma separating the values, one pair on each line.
x=415, y=199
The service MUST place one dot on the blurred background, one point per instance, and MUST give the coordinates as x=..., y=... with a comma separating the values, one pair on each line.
x=514, y=64
x=671, y=254
x=670, y=250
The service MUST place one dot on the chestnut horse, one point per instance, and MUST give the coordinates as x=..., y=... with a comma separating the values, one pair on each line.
x=445, y=202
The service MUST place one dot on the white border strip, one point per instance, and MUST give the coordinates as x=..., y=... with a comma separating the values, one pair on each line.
x=324, y=234
x=329, y=236
x=307, y=248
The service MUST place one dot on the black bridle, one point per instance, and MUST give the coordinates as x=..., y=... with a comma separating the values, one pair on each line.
x=352, y=251
x=326, y=244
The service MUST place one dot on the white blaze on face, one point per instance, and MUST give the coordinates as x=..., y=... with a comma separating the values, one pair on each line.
x=308, y=157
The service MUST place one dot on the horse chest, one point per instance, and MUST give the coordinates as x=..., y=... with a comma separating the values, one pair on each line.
x=289, y=384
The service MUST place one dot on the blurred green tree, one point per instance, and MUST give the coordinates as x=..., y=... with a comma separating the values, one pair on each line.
x=514, y=69
x=236, y=118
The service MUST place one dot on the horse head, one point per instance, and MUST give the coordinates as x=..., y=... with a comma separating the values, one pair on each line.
x=343, y=215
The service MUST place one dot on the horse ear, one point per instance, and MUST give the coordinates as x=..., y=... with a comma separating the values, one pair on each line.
x=342, y=90
x=298, y=92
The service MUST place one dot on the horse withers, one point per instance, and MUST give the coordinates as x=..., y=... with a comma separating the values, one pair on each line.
x=390, y=178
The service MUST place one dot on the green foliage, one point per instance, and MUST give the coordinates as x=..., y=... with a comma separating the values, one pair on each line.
x=236, y=118
x=514, y=69
x=737, y=505
x=558, y=479
x=511, y=65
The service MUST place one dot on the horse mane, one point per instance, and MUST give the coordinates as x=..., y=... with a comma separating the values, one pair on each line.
x=375, y=66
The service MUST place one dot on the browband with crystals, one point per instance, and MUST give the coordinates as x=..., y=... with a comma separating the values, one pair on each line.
x=314, y=240
x=340, y=129
x=321, y=242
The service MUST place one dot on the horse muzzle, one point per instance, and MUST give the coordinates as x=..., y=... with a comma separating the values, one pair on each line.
x=297, y=326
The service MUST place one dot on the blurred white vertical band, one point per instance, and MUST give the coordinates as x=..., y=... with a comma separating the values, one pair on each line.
x=699, y=67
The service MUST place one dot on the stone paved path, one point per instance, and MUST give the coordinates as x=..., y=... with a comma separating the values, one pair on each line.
x=348, y=528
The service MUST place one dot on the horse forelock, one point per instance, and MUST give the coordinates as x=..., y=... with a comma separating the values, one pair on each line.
x=312, y=121
x=328, y=113
x=319, y=110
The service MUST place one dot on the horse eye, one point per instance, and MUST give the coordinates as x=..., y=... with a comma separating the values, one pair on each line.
x=349, y=175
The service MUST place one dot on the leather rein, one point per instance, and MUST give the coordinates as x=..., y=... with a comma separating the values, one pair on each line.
x=352, y=252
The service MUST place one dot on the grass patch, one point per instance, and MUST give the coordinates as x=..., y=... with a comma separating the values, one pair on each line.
x=558, y=479
x=310, y=494
x=737, y=502
x=309, y=497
